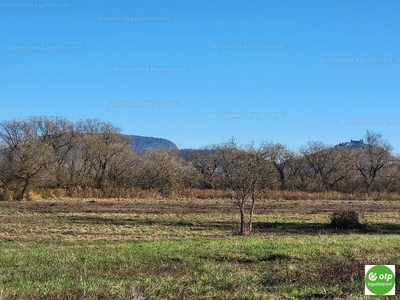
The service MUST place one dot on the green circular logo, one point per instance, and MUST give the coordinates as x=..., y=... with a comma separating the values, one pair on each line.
x=379, y=280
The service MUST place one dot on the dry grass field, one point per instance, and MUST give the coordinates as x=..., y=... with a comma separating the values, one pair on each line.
x=187, y=249
x=144, y=219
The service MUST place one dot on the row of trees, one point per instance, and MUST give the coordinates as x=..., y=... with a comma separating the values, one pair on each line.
x=316, y=167
x=44, y=152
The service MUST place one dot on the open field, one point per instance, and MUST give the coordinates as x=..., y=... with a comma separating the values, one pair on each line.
x=187, y=249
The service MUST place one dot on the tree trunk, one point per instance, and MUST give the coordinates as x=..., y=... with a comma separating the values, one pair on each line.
x=253, y=201
x=21, y=196
x=242, y=219
x=282, y=179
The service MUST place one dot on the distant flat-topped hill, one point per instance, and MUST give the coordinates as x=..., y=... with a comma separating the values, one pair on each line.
x=142, y=143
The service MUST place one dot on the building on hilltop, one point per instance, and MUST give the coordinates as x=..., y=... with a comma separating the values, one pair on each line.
x=353, y=144
x=357, y=142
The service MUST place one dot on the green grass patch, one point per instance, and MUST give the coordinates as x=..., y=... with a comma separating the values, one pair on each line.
x=230, y=268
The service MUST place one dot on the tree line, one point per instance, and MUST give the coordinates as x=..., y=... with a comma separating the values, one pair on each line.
x=52, y=152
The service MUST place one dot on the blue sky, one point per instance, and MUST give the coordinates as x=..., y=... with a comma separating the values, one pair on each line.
x=322, y=71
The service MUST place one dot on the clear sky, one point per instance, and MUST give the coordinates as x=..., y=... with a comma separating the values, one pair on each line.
x=199, y=72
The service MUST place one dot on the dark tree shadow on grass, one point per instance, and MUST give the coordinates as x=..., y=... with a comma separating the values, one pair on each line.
x=322, y=228
x=89, y=220
x=258, y=227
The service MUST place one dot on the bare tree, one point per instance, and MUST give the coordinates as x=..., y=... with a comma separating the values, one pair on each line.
x=100, y=145
x=159, y=170
x=206, y=161
x=370, y=160
x=326, y=166
x=242, y=173
x=298, y=172
x=24, y=155
x=390, y=179
x=121, y=168
x=60, y=135
x=280, y=157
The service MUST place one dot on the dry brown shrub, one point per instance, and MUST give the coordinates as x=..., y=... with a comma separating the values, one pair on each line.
x=32, y=196
x=6, y=195
x=348, y=219
x=202, y=194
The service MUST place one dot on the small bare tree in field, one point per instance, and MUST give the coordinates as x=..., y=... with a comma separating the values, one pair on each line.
x=242, y=172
